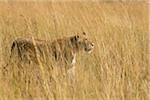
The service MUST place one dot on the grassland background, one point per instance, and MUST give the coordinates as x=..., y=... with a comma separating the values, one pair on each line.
x=116, y=70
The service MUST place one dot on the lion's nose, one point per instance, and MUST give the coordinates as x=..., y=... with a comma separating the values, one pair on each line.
x=92, y=44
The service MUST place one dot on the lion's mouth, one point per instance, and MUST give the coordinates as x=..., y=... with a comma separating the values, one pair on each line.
x=89, y=50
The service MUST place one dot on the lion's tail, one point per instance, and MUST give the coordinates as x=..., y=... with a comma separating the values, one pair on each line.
x=13, y=46
x=5, y=66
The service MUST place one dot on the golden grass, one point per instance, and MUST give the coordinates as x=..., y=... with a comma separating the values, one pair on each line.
x=116, y=70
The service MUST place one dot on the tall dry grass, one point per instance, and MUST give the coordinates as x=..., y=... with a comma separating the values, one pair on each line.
x=116, y=70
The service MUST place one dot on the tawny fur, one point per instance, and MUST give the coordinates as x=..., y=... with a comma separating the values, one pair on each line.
x=61, y=50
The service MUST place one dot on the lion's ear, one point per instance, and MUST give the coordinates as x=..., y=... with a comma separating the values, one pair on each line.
x=84, y=33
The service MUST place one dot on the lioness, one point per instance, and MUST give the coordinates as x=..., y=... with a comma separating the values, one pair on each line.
x=62, y=50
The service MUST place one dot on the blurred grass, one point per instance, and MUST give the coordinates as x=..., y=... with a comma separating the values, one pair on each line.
x=116, y=70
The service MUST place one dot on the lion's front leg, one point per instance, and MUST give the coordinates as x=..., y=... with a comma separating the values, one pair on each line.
x=71, y=73
x=70, y=60
x=71, y=76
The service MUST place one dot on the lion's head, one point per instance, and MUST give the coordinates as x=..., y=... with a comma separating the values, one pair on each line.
x=81, y=42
